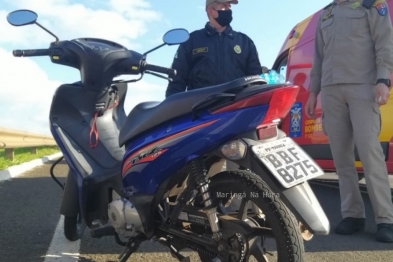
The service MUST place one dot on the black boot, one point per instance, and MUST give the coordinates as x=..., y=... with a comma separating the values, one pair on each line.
x=350, y=225
x=384, y=232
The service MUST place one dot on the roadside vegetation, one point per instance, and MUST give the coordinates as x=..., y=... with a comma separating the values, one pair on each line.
x=22, y=155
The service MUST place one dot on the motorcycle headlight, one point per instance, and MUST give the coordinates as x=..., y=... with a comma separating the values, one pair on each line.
x=234, y=150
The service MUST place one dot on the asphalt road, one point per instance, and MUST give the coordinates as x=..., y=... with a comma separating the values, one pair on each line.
x=29, y=215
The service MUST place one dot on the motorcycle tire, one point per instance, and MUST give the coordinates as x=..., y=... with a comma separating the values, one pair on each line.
x=285, y=227
x=73, y=229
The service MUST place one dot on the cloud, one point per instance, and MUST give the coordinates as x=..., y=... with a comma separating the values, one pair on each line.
x=27, y=87
x=26, y=94
x=118, y=20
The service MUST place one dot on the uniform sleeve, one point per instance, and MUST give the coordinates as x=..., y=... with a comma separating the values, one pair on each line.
x=381, y=32
x=254, y=66
x=181, y=65
x=316, y=70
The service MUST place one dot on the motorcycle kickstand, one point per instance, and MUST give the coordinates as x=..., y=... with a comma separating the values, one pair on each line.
x=131, y=247
x=174, y=252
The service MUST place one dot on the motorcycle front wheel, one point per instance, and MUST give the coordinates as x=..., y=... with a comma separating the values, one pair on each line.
x=74, y=227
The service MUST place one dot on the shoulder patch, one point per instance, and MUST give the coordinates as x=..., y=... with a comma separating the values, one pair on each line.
x=376, y=2
x=327, y=13
x=381, y=7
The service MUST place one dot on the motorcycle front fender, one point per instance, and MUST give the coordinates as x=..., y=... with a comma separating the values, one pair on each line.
x=300, y=199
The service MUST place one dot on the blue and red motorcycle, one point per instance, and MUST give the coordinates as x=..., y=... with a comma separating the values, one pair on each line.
x=157, y=173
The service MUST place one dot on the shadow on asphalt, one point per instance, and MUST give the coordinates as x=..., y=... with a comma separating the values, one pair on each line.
x=362, y=241
x=330, y=201
x=30, y=210
x=29, y=213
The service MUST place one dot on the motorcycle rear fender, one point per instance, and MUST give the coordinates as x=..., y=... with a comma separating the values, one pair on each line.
x=300, y=199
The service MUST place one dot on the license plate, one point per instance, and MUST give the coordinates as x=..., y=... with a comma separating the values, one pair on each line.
x=287, y=161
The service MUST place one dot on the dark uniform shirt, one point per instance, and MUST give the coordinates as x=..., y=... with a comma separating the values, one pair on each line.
x=353, y=44
x=210, y=58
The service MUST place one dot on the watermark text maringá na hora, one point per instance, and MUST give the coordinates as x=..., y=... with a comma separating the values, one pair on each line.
x=244, y=195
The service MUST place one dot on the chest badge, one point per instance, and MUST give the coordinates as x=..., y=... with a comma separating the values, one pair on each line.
x=237, y=49
x=355, y=5
x=200, y=50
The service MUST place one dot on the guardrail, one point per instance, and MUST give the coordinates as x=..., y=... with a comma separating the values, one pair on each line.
x=11, y=139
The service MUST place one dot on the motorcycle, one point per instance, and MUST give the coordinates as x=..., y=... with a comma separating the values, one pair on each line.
x=157, y=173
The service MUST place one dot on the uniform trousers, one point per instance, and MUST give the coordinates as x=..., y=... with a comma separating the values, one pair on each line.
x=351, y=116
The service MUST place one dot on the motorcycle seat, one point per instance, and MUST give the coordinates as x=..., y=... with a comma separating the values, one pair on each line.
x=147, y=115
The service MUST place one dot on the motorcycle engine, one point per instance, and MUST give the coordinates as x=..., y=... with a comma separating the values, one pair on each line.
x=124, y=218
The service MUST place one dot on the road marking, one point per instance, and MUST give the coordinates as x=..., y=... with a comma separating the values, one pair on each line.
x=61, y=249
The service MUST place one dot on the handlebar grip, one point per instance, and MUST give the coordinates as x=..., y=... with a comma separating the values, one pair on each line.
x=160, y=69
x=31, y=52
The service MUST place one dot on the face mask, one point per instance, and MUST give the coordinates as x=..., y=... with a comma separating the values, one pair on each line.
x=224, y=17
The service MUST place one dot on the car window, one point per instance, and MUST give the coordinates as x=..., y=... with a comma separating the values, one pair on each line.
x=281, y=66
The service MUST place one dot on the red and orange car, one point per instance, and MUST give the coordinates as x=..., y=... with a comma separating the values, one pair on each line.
x=294, y=61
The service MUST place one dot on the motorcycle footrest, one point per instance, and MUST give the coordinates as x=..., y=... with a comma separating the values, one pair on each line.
x=103, y=231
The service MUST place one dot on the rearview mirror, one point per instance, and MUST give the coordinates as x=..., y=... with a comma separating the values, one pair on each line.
x=172, y=37
x=176, y=36
x=21, y=17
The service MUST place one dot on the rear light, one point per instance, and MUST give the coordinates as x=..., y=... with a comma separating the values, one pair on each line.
x=279, y=105
x=280, y=101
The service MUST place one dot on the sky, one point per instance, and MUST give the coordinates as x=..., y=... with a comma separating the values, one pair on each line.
x=27, y=85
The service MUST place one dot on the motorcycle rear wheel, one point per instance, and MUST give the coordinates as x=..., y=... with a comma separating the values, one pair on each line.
x=285, y=227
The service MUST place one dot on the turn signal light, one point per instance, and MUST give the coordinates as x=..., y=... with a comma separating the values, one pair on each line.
x=234, y=150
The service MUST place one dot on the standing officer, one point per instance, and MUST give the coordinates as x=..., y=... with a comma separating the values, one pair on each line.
x=215, y=54
x=352, y=66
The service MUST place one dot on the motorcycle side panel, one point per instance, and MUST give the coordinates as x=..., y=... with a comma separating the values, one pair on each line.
x=150, y=161
x=71, y=116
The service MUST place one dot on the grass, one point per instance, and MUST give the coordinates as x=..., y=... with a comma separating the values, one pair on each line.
x=22, y=155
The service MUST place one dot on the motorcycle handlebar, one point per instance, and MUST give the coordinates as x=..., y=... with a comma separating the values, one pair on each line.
x=160, y=69
x=31, y=52
x=46, y=52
